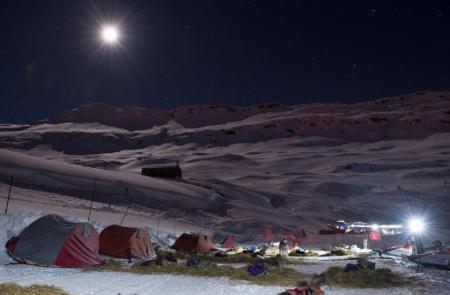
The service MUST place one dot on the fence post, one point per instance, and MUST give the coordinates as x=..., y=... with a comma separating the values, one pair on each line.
x=9, y=195
x=92, y=198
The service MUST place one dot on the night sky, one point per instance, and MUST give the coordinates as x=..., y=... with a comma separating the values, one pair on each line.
x=217, y=52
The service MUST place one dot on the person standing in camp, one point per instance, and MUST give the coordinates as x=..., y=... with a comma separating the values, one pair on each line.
x=284, y=247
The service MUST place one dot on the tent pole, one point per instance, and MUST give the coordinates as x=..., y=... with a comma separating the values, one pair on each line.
x=92, y=198
x=9, y=194
x=174, y=224
x=159, y=219
x=128, y=208
x=368, y=238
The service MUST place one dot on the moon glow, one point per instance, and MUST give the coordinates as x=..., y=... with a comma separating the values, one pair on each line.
x=110, y=34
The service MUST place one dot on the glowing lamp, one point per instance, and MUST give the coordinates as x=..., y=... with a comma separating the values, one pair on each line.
x=416, y=226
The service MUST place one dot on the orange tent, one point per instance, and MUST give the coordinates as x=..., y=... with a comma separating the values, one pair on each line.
x=125, y=242
x=193, y=243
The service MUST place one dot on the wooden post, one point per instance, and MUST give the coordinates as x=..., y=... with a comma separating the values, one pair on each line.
x=9, y=194
x=92, y=198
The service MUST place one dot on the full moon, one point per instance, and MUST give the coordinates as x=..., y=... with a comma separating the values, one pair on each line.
x=110, y=34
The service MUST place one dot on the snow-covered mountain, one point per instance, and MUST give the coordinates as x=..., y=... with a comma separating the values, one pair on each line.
x=97, y=128
x=248, y=167
x=135, y=118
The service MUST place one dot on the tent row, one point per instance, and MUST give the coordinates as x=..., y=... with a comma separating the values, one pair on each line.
x=54, y=241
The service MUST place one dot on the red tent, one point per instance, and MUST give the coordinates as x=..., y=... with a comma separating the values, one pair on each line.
x=193, y=243
x=293, y=239
x=268, y=234
x=375, y=235
x=53, y=241
x=229, y=242
x=126, y=242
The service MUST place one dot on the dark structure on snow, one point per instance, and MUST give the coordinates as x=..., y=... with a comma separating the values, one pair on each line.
x=163, y=171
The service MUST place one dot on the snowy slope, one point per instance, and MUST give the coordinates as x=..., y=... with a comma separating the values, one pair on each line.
x=129, y=117
x=111, y=186
x=190, y=201
x=134, y=118
x=245, y=168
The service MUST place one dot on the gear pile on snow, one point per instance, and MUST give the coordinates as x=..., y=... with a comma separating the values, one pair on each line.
x=303, y=291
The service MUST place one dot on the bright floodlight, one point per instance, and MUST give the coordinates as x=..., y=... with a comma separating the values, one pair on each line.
x=416, y=226
x=110, y=34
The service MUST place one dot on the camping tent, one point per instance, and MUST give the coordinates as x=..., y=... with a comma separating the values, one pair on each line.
x=126, y=242
x=193, y=243
x=229, y=242
x=53, y=241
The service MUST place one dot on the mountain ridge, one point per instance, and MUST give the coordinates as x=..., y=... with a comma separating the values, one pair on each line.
x=85, y=131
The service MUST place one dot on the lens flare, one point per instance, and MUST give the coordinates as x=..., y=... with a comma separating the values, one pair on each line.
x=416, y=226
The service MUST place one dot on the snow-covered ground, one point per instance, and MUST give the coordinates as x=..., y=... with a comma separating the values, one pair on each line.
x=106, y=283
x=244, y=169
x=79, y=282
